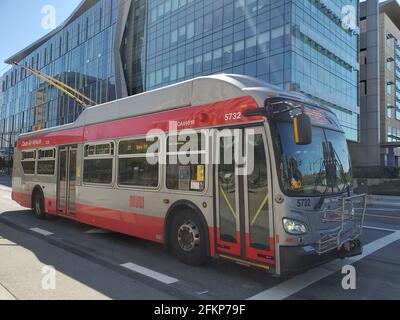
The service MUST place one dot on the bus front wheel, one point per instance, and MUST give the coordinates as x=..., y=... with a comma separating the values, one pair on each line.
x=38, y=205
x=188, y=238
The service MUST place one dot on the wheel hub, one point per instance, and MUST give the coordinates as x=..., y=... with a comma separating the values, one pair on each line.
x=37, y=206
x=188, y=236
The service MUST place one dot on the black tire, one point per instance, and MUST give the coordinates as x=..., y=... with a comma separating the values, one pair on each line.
x=38, y=204
x=188, y=238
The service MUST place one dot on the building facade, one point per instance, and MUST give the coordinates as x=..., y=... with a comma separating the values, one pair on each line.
x=110, y=49
x=379, y=85
x=79, y=53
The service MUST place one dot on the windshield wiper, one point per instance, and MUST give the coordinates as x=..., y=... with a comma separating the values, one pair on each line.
x=331, y=165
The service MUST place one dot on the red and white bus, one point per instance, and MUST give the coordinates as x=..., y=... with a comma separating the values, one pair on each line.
x=294, y=210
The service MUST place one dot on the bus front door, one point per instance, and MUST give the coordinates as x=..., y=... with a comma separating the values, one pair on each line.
x=243, y=207
x=66, y=186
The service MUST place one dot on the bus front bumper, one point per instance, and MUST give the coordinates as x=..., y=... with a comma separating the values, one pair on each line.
x=294, y=260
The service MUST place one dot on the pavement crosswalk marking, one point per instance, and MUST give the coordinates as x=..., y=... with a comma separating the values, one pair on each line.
x=149, y=273
x=302, y=281
x=41, y=231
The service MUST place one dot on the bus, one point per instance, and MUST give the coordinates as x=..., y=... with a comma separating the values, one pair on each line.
x=121, y=166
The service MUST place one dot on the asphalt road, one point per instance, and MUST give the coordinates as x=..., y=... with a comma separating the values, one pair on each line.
x=94, y=264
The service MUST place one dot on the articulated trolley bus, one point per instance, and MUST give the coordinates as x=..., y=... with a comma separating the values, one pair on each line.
x=283, y=202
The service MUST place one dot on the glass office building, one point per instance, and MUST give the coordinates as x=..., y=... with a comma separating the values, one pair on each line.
x=79, y=53
x=110, y=49
x=297, y=44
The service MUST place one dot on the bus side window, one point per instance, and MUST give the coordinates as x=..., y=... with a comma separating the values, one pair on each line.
x=46, y=162
x=136, y=165
x=186, y=157
x=28, y=161
x=98, y=163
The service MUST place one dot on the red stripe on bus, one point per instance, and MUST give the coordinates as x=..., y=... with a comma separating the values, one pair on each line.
x=138, y=225
x=214, y=114
x=50, y=206
x=67, y=136
x=211, y=232
x=229, y=247
x=141, y=226
x=22, y=199
x=257, y=254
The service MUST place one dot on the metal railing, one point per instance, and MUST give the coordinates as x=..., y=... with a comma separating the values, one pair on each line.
x=350, y=216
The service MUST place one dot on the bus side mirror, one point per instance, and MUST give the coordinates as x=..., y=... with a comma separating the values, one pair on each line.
x=302, y=129
x=255, y=112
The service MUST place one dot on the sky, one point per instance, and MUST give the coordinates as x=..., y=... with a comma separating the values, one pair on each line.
x=21, y=23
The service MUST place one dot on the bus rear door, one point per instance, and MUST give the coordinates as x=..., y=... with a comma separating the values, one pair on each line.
x=66, y=182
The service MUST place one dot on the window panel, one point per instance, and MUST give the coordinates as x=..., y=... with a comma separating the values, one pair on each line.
x=185, y=169
x=46, y=167
x=138, y=172
x=28, y=167
x=135, y=166
x=98, y=171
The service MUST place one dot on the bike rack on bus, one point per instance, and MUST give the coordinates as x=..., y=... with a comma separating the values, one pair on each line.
x=351, y=216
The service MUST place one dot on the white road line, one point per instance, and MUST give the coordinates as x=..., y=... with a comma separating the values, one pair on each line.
x=5, y=294
x=149, y=273
x=379, y=229
x=297, y=283
x=41, y=231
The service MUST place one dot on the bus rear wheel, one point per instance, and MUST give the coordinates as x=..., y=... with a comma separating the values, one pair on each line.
x=38, y=205
x=188, y=238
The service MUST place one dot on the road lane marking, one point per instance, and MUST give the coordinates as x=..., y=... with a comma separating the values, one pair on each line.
x=379, y=229
x=149, y=273
x=302, y=281
x=41, y=231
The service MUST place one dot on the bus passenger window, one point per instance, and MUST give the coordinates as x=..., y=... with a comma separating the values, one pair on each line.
x=46, y=162
x=98, y=163
x=28, y=162
x=137, y=167
x=185, y=167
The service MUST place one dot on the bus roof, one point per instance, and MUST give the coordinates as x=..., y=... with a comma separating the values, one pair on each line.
x=198, y=91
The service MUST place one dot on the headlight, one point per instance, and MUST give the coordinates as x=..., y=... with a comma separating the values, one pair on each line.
x=294, y=227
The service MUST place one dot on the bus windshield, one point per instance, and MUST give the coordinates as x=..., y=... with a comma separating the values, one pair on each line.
x=322, y=167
